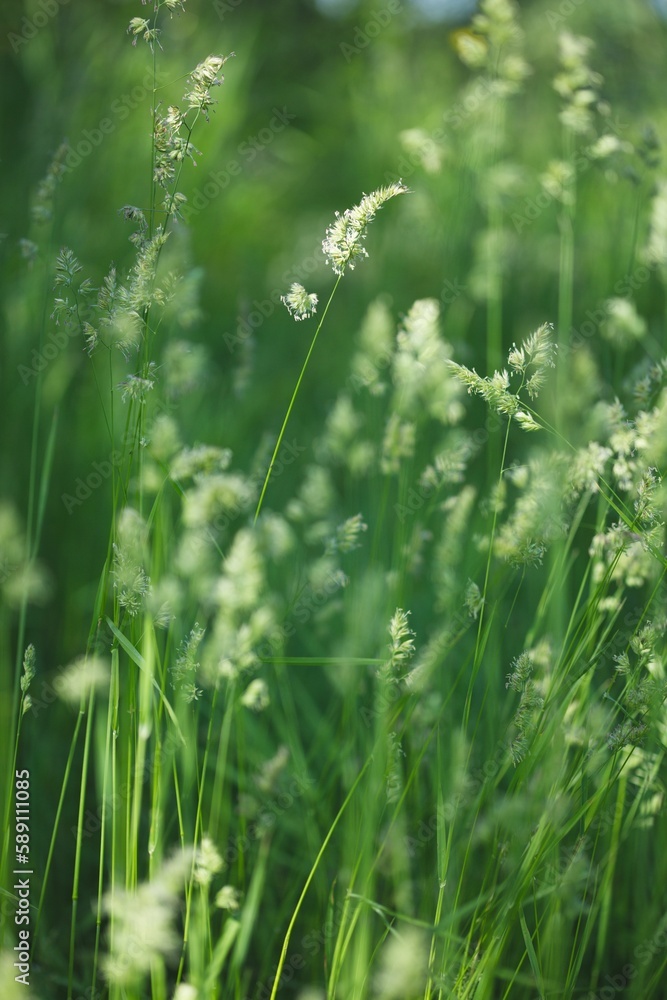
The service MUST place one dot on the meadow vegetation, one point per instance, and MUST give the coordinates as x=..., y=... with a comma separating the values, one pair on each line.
x=334, y=651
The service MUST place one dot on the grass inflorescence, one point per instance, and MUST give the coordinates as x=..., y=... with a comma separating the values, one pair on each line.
x=378, y=711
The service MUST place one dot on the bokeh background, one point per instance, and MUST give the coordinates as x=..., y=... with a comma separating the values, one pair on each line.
x=353, y=95
x=352, y=99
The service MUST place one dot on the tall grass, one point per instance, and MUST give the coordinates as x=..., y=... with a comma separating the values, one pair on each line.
x=402, y=734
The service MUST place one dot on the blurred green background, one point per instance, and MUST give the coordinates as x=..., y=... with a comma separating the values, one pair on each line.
x=351, y=96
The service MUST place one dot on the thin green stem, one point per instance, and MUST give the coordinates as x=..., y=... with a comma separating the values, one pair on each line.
x=311, y=875
x=292, y=400
x=79, y=842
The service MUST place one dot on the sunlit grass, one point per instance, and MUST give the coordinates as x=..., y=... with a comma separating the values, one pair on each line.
x=380, y=711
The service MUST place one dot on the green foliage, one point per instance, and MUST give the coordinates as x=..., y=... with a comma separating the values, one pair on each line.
x=364, y=687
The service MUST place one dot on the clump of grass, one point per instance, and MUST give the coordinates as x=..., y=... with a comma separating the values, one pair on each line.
x=399, y=737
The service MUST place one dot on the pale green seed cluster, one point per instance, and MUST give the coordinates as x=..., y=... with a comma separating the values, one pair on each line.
x=299, y=303
x=343, y=244
x=530, y=363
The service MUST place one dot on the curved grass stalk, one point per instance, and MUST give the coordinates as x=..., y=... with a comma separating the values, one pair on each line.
x=311, y=875
x=292, y=401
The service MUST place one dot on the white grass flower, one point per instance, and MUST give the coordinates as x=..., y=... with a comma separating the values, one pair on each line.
x=558, y=180
x=137, y=387
x=607, y=145
x=537, y=519
x=419, y=144
x=186, y=366
x=577, y=84
x=343, y=242
x=526, y=421
x=403, y=966
x=343, y=442
x=300, y=303
x=398, y=444
x=186, y=991
x=656, y=247
x=421, y=370
x=142, y=291
x=29, y=670
x=531, y=361
x=81, y=677
x=493, y=44
x=215, y=500
x=269, y=774
x=623, y=325
x=130, y=579
x=199, y=462
x=587, y=467
x=143, y=923
x=347, y=536
x=239, y=588
x=232, y=650
x=451, y=546
x=373, y=359
x=647, y=504
x=202, y=79
x=449, y=465
x=402, y=639
x=316, y=497
x=141, y=26
x=164, y=438
x=473, y=600
x=471, y=49
x=228, y=898
x=278, y=538
x=164, y=601
x=522, y=668
x=207, y=862
x=495, y=390
x=256, y=696
x=534, y=358
x=184, y=671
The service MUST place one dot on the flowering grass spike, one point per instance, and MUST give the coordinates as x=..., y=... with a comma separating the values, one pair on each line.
x=343, y=243
x=299, y=302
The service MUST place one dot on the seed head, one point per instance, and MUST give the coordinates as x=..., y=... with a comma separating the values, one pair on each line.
x=299, y=302
x=343, y=243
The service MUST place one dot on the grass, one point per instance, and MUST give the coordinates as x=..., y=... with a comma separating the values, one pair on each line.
x=378, y=710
